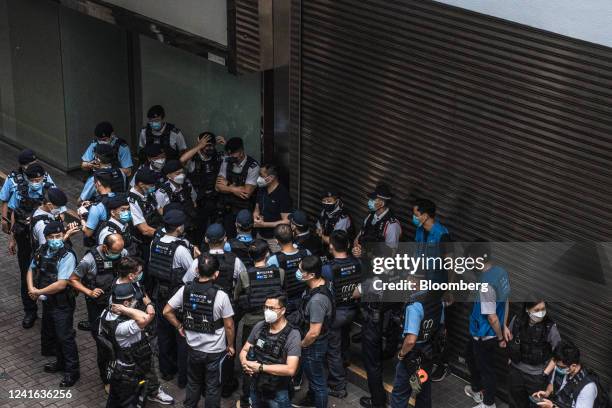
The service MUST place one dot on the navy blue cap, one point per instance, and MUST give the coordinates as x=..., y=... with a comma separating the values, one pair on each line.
x=35, y=171
x=153, y=150
x=122, y=292
x=103, y=129
x=330, y=192
x=174, y=217
x=53, y=227
x=299, y=218
x=381, y=191
x=26, y=156
x=156, y=110
x=244, y=218
x=171, y=166
x=116, y=201
x=215, y=232
x=146, y=176
x=57, y=197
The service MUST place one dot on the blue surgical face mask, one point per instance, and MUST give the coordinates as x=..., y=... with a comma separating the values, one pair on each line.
x=415, y=221
x=155, y=125
x=113, y=256
x=151, y=190
x=372, y=205
x=55, y=244
x=125, y=216
x=298, y=275
x=36, y=186
x=561, y=371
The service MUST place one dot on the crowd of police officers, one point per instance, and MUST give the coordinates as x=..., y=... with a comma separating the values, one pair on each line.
x=195, y=241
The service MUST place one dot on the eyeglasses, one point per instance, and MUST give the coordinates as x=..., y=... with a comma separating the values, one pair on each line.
x=272, y=308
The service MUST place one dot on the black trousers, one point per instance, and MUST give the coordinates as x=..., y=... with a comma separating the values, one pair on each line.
x=57, y=328
x=521, y=385
x=126, y=394
x=207, y=213
x=203, y=374
x=94, y=310
x=480, y=357
x=371, y=346
x=24, y=257
x=172, y=347
x=246, y=379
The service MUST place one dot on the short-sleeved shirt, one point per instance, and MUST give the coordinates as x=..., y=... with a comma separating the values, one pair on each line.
x=207, y=343
x=9, y=187
x=554, y=338
x=242, y=285
x=125, y=156
x=89, y=188
x=177, y=140
x=343, y=224
x=65, y=265
x=182, y=256
x=252, y=174
x=104, y=232
x=87, y=265
x=292, y=347
x=136, y=210
x=39, y=227
x=160, y=180
x=318, y=308
x=272, y=205
x=192, y=273
x=97, y=213
x=587, y=396
x=392, y=231
x=273, y=259
x=127, y=332
x=163, y=199
x=16, y=198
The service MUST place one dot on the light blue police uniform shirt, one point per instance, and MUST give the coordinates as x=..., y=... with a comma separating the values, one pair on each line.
x=16, y=198
x=89, y=189
x=125, y=157
x=65, y=266
x=10, y=187
x=246, y=238
x=414, y=315
x=96, y=214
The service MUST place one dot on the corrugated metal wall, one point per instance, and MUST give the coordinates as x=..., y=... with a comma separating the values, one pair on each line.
x=247, y=36
x=506, y=127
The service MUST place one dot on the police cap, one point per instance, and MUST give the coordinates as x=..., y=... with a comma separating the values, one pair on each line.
x=57, y=197
x=35, y=171
x=381, y=191
x=26, y=156
x=215, y=232
x=116, y=201
x=53, y=227
x=299, y=218
x=122, y=292
x=174, y=217
x=244, y=218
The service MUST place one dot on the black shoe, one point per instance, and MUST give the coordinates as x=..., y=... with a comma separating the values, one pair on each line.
x=167, y=377
x=337, y=393
x=52, y=367
x=48, y=353
x=305, y=402
x=366, y=402
x=439, y=373
x=228, y=390
x=69, y=380
x=28, y=320
x=356, y=338
x=84, y=325
x=181, y=385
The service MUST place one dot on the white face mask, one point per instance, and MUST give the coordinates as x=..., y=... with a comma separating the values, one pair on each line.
x=158, y=163
x=180, y=179
x=537, y=316
x=261, y=182
x=270, y=316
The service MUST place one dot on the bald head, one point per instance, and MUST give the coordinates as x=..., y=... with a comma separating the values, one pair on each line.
x=114, y=243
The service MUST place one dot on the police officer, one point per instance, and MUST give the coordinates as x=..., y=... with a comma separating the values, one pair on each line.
x=317, y=311
x=155, y=160
x=252, y=288
x=123, y=326
x=303, y=236
x=26, y=158
x=143, y=208
x=422, y=323
x=333, y=216
x=94, y=277
x=27, y=196
x=208, y=326
x=271, y=355
x=202, y=164
x=94, y=213
x=534, y=336
x=119, y=222
x=289, y=258
x=488, y=322
x=120, y=155
x=344, y=273
x=239, y=245
x=236, y=182
x=53, y=205
x=47, y=280
x=379, y=226
x=272, y=204
x=177, y=189
x=131, y=272
x=169, y=259
x=119, y=181
x=158, y=131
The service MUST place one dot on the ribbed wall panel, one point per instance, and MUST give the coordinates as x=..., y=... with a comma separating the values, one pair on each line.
x=247, y=36
x=507, y=128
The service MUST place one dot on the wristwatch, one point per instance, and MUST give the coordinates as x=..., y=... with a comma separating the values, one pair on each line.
x=261, y=368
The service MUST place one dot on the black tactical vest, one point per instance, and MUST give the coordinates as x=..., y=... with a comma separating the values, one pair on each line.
x=46, y=271
x=530, y=342
x=227, y=262
x=312, y=243
x=163, y=139
x=114, y=227
x=181, y=196
x=119, y=182
x=290, y=263
x=346, y=276
x=46, y=218
x=269, y=350
x=328, y=221
x=106, y=274
x=432, y=314
x=305, y=317
x=375, y=232
x=167, y=278
x=92, y=241
x=242, y=251
x=198, y=306
x=115, y=163
x=204, y=175
x=263, y=281
x=27, y=205
x=138, y=354
x=238, y=179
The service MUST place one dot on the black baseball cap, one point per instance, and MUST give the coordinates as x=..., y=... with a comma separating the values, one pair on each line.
x=215, y=232
x=174, y=217
x=244, y=218
x=299, y=218
x=381, y=191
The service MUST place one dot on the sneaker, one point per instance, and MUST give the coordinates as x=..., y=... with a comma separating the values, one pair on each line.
x=439, y=372
x=476, y=396
x=337, y=393
x=306, y=402
x=161, y=397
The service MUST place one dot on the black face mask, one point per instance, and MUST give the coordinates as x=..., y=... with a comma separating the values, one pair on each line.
x=328, y=207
